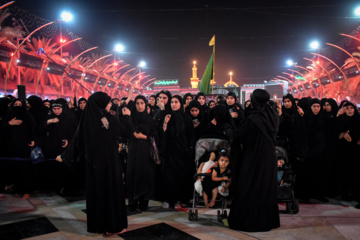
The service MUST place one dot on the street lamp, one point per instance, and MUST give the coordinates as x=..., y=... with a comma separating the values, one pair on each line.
x=142, y=64
x=357, y=11
x=119, y=47
x=315, y=45
x=290, y=62
x=65, y=17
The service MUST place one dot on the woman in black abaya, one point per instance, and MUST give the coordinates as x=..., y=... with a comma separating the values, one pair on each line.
x=140, y=171
x=254, y=207
x=177, y=144
x=97, y=138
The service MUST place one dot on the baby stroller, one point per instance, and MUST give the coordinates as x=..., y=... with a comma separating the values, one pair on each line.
x=203, y=149
x=286, y=182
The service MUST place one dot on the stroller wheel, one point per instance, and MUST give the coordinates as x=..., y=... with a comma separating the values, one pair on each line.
x=190, y=215
x=288, y=207
x=196, y=216
x=219, y=216
x=295, y=206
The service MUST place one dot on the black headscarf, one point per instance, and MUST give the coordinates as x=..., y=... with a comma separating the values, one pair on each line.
x=37, y=108
x=247, y=109
x=19, y=112
x=334, y=107
x=194, y=104
x=263, y=115
x=304, y=104
x=168, y=104
x=91, y=127
x=4, y=103
x=80, y=100
x=342, y=103
x=211, y=101
x=289, y=111
x=142, y=120
x=185, y=97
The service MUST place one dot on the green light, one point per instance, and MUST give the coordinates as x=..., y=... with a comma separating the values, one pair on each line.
x=166, y=82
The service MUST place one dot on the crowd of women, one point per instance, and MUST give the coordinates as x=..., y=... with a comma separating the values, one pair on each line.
x=150, y=145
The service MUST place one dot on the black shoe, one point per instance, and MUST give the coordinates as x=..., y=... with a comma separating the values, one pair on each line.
x=322, y=199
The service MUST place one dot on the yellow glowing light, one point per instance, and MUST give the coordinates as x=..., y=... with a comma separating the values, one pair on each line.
x=230, y=73
x=194, y=62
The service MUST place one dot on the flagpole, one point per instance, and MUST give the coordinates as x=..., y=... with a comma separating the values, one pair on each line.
x=212, y=90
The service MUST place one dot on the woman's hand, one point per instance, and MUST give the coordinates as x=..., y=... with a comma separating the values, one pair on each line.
x=140, y=135
x=234, y=115
x=300, y=111
x=161, y=105
x=58, y=158
x=126, y=111
x=225, y=178
x=341, y=111
x=32, y=144
x=167, y=119
x=53, y=120
x=15, y=122
x=212, y=156
x=64, y=143
x=347, y=136
x=214, y=121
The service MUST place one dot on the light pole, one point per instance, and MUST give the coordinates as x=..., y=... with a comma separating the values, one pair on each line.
x=65, y=17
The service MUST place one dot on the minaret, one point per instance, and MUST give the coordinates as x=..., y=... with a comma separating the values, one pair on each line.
x=194, y=80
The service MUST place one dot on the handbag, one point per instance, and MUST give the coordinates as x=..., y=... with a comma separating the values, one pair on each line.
x=154, y=152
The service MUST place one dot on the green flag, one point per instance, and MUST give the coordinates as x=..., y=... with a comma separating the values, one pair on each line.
x=204, y=85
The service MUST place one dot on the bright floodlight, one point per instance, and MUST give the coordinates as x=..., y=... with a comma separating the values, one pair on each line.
x=66, y=16
x=290, y=62
x=314, y=45
x=357, y=11
x=119, y=48
x=142, y=64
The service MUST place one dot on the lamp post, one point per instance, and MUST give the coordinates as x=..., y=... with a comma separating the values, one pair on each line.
x=65, y=17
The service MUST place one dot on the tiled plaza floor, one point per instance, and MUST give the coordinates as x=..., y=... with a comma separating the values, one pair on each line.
x=52, y=217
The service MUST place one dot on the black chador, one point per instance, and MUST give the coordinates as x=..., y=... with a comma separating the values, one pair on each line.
x=254, y=207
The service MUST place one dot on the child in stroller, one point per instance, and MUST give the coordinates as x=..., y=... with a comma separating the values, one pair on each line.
x=219, y=181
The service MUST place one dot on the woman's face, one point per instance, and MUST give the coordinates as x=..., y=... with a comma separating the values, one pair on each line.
x=212, y=104
x=287, y=103
x=247, y=104
x=107, y=108
x=163, y=98
x=315, y=108
x=152, y=101
x=230, y=100
x=350, y=111
x=82, y=105
x=47, y=104
x=140, y=105
x=201, y=100
x=58, y=110
x=188, y=100
x=194, y=112
x=18, y=104
x=175, y=104
x=327, y=107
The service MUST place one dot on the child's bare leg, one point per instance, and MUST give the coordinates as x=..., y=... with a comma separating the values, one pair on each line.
x=206, y=200
x=214, y=195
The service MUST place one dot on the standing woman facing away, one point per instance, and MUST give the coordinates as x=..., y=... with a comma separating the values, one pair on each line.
x=97, y=139
x=254, y=207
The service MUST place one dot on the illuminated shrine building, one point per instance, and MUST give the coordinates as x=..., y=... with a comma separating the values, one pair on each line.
x=194, y=79
x=231, y=83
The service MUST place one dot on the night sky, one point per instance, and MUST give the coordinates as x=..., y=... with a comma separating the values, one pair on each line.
x=253, y=39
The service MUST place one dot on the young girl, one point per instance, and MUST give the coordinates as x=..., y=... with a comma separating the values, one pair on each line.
x=219, y=181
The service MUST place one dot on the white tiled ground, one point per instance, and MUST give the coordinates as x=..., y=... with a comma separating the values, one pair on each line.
x=335, y=220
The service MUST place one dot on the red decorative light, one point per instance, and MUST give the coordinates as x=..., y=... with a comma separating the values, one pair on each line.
x=12, y=54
